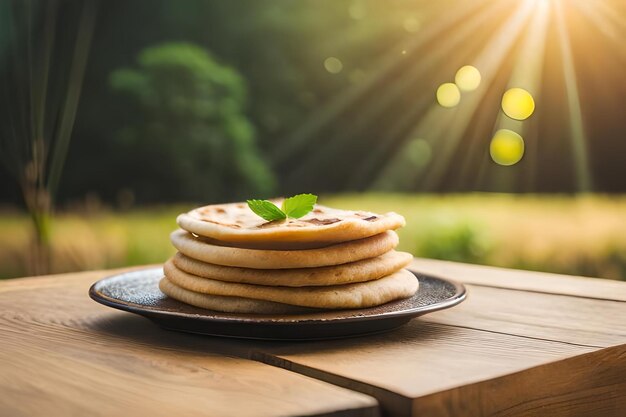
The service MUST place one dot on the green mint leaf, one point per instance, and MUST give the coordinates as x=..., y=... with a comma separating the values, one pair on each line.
x=299, y=205
x=266, y=209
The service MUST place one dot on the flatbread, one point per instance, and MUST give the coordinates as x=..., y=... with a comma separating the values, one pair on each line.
x=228, y=304
x=237, y=224
x=400, y=284
x=338, y=254
x=359, y=271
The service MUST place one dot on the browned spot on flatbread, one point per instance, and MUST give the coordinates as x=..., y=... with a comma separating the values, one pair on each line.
x=322, y=222
x=371, y=219
x=268, y=224
x=234, y=226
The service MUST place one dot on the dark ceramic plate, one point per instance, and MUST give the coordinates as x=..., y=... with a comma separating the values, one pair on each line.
x=138, y=292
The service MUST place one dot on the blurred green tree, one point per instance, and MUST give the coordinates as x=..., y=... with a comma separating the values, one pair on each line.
x=186, y=128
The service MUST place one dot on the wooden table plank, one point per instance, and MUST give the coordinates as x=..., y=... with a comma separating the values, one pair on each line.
x=501, y=352
x=591, y=384
x=575, y=320
x=523, y=280
x=62, y=354
x=423, y=364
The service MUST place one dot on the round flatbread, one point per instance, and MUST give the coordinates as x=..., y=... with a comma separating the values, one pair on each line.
x=400, y=284
x=338, y=254
x=237, y=224
x=359, y=271
x=228, y=304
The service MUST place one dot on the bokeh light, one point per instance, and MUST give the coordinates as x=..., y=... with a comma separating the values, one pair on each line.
x=448, y=95
x=518, y=104
x=467, y=78
x=506, y=148
x=333, y=65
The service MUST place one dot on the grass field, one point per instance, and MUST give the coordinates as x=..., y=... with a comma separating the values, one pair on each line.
x=573, y=235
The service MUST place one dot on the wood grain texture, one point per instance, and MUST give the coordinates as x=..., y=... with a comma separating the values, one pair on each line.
x=591, y=384
x=62, y=354
x=520, y=345
x=575, y=320
x=418, y=360
x=501, y=352
x=523, y=280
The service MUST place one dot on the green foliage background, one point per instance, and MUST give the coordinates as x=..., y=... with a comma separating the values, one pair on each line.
x=208, y=101
x=269, y=56
x=186, y=113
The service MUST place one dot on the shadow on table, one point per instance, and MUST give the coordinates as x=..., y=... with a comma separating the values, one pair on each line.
x=139, y=330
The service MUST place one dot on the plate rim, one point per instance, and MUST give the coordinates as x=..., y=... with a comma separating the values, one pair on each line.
x=265, y=319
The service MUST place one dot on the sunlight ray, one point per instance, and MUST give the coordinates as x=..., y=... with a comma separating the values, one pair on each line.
x=342, y=101
x=526, y=74
x=611, y=13
x=577, y=130
x=488, y=63
x=456, y=123
x=404, y=122
x=606, y=23
x=373, y=109
x=345, y=39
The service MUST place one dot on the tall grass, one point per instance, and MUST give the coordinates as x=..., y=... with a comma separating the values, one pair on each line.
x=35, y=139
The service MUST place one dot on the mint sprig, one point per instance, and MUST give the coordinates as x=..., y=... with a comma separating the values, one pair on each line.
x=298, y=205
x=292, y=207
x=266, y=209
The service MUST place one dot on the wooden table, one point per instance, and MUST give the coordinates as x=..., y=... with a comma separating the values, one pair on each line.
x=523, y=343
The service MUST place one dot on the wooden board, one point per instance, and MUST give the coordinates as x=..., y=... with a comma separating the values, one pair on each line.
x=515, y=347
x=422, y=364
x=523, y=280
x=574, y=320
x=62, y=354
x=501, y=352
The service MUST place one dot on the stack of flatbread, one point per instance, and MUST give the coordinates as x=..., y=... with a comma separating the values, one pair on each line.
x=231, y=260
